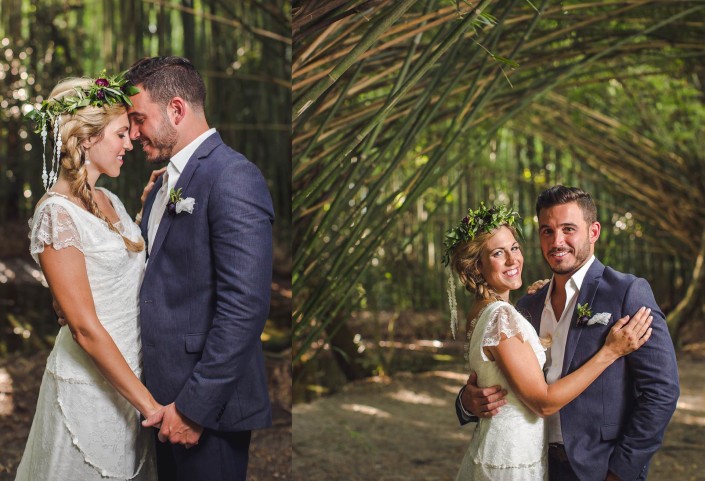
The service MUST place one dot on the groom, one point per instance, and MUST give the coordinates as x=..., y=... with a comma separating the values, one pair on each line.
x=205, y=294
x=611, y=431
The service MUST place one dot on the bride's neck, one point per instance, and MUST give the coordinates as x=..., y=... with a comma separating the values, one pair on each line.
x=62, y=186
x=477, y=307
x=65, y=184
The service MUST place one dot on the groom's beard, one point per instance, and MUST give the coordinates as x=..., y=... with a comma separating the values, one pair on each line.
x=567, y=265
x=161, y=144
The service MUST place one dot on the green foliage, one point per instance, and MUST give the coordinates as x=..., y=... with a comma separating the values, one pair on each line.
x=476, y=221
x=424, y=124
x=104, y=91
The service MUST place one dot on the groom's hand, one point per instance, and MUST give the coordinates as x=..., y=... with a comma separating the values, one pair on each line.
x=178, y=429
x=482, y=402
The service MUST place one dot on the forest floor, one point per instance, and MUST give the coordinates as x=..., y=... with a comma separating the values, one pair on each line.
x=20, y=376
x=401, y=428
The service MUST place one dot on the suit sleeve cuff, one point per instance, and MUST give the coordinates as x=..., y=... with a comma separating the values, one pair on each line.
x=621, y=466
x=464, y=416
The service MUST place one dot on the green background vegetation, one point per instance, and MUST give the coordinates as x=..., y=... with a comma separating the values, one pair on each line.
x=407, y=113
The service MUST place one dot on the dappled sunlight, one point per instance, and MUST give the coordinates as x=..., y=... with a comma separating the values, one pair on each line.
x=691, y=402
x=690, y=410
x=452, y=389
x=407, y=396
x=6, y=274
x=364, y=409
x=284, y=291
x=35, y=273
x=419, y=344
x=692, y=419
x=442, y=425
x=462, y=433
x=453, y=376
x=7, y=406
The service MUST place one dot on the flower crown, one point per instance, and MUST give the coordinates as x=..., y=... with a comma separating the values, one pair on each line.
x=477, y=221
x=104, y=91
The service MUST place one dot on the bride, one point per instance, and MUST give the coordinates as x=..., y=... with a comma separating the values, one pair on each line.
x=87, y=422
x=504, y=349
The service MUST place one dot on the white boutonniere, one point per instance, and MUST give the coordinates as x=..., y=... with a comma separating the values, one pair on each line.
x=585, y=317
x=601, y=318
x=178, y=204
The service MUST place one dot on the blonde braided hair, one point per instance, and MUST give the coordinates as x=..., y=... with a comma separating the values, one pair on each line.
x=85, y=123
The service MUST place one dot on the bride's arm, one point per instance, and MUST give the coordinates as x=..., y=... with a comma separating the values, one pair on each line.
x=518, y=362
x=65, y=271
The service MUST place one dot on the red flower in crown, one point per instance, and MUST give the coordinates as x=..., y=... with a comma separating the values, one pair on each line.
x=102, y=82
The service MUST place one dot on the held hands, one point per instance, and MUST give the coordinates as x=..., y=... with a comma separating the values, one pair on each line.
x=627, y=336
x=175, y=427
x=155, y=417
x=482, y=402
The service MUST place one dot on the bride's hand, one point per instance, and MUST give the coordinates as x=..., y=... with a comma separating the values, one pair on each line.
x=626, y=336
x=150, y=185
x=533, y=288
x=154, y=419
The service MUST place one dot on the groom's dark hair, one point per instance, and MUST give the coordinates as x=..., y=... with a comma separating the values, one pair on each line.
x=559, y=194
x=168, y=77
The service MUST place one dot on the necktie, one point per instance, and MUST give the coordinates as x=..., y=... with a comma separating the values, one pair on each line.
x=158, y=208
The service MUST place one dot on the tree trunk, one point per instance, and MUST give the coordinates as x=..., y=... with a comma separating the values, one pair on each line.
x=687, y=309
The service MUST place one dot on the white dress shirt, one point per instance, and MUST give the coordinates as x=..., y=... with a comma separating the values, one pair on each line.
x=558, y=329
x=176, y=165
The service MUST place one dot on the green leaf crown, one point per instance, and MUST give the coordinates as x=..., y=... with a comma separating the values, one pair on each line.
x=104, y=91
x=483, y=219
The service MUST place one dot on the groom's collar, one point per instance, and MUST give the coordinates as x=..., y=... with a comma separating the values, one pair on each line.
x=181, y=158
x=577, y=278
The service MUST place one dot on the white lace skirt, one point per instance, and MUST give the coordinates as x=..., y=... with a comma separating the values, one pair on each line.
x=509, y=447
x=69, y=439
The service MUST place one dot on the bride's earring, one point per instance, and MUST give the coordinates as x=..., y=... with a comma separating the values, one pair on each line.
x=86, y=160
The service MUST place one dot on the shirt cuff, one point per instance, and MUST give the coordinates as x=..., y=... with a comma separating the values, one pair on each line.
x=467, y=416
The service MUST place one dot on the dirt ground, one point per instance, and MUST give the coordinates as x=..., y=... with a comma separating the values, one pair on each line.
x=20, y=376
x=405, y=428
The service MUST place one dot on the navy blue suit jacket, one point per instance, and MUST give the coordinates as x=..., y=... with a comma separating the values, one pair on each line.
x=205, y=294
x=619, y=421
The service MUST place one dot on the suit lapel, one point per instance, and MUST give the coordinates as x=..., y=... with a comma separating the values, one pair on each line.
x=587, y=295
x=149, y=202
x=165, y=223
x=192, y=165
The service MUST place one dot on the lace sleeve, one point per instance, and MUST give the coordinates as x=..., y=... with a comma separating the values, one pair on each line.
x=53, y=226
x=504, y=320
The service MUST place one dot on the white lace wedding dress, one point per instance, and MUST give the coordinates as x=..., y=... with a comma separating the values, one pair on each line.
x=511, y=446
x=83, y=429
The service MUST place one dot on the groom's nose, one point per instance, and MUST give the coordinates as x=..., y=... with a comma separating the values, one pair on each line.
x=134, y=131
x=558, y=239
